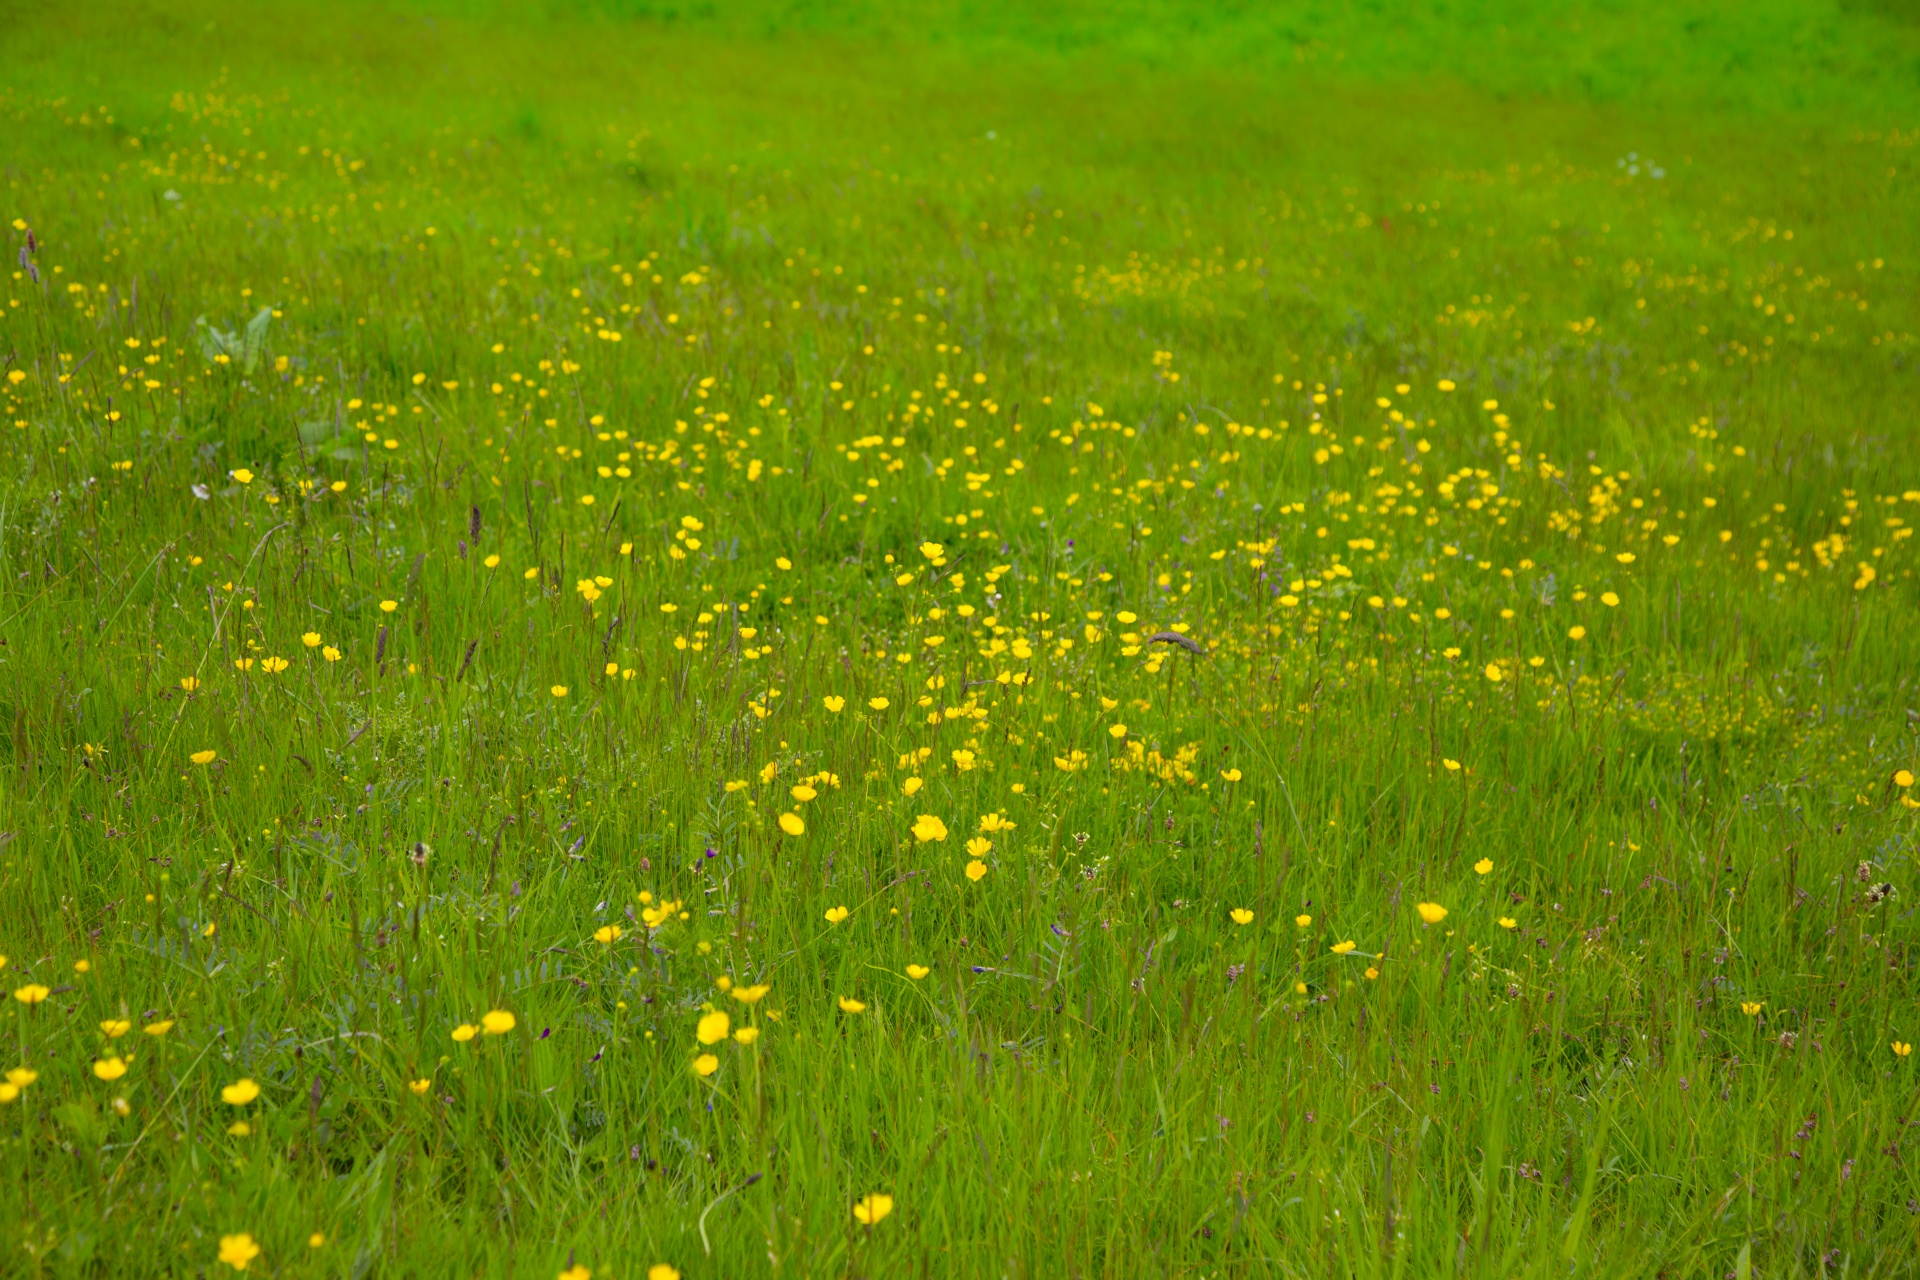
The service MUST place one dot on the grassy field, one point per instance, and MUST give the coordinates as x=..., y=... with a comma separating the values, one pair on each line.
x=785, y=640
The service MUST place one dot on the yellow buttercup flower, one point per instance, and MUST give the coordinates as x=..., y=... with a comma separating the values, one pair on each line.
x=917, y=971
x=311, y=639
x=1483, y=866
x=1508, y=922
x=1241, y=915
x=878, y=704
x=1431, y=912
x=32, y=993
x=712, y=1028
x=976, y=870
x=836, y=914
x=927, y=827
x=661, y=1271
x=497, y=1022
x=203, y=757
x=751, y=995
x=238, y=1250
x=607, y=934
x=1341, y=948
x=114, y=1028
x=1230, y=775
x=420, y=1087
x=705, y=1065
x=747, y=1035
x=240, y=1093
x=465, y=1032
x=850, y=1005
x=793, y=824
x=870, y=1209
x=1752, y=1008
x=1301, y=922
x=110, y=1068
x=833, y=703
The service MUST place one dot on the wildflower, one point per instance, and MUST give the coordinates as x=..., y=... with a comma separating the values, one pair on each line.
x=747, y=1035
x=32, y=993
x=607, y=934
x=1372, y=973
x=558, y=691
x=1116, y=731
x=240, y=1092
x=83, y=966
x=1431, y=912
x=661, y=1271
x=311, y=639
x=712, y=1028
x=1508, y=922
x=1902, y=778
x=1302, y=921
x=465, y=1032
x=793, y=824
x=917, y=971
x=1752, y=1007
x=1493, y=672
x=189, y=684
x=833, y=702
x=274, y=666
x=1483, y=866
x=933, y=551
x=869, y=1210
x=244, y=476
x=330, y=653
x=1576, y=633
x=420, y=1087
x=317, y=1240
x=1902, y=1048
x=497, y=1022
x=238, y=1251
x=911, y=785
x=976, y=871
x=850, y=1005
x=1341, y=948
x=159, y=1028
x=1241, y=915
x=1230, y=775
x=705, y=1065
x=878, y=704
x=21, y=1077
x=578, y=1271
x=802, y=792
x=388, y=606
x=927, y=827
x=114, y=1028
x=979, y=846
x=991, y=822
x=110, y=1068
x=836, y=914
x=203, y=757
x=752, y=994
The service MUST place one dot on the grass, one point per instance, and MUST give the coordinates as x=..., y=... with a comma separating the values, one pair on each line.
x=1056, y=542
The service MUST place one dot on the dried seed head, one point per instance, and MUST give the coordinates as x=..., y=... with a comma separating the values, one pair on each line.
x=421, y=852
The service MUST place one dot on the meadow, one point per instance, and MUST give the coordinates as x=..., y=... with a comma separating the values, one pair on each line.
x=681, y=640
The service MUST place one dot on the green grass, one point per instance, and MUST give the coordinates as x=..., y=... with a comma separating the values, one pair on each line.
x=1513, y=409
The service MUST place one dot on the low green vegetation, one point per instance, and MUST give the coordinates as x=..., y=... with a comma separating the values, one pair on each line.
x=1033, y=642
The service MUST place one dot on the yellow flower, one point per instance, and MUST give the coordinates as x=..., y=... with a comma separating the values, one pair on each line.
x=158, y=1028
x=1372, y=973
x=927, y=827
x=240, y=1093
x=388, y=606
x=752, y=994
x=932, y=550
x=1576, y=633
x=917, y=971
x=8, y=1092
x=878, y=704
x=1903, y=777
x=32, y=993
x=558, y=691
x=1230, y=775
x=976, y=870
x=21, y=1077
x=317, y=1240
x=1116, y=731
x=747, y=1035
x=1752, y=1007
x=497, y=1022
x=311, y=639
x=607, y=934
x=239, y=1129
x=1483, y=866
x=911, y=785
x=1341, y=948
x=1241, y=915
x=114, y=1028
x=793, y=824
x=1453, y=766
x=238, y=1251
x=1301, y=922
x=836, y=914
x=1431, y=912
x=330, y=653
x=850, y=1005
x=274, y=666
x=833, y=702
x=979, y=846
x=705, y=1065
x=869, y=1210
x=492, y=562
x=189, y=683
x=244, y=476
x=1508, y=922
x=420, y=1087
x=661, y=1271
x=203, y=757
x=712, y=1028
x=578, y=1271
x=1493, y=672
x=1901, y=1048
x=110, y=1068
x=465, y=1032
